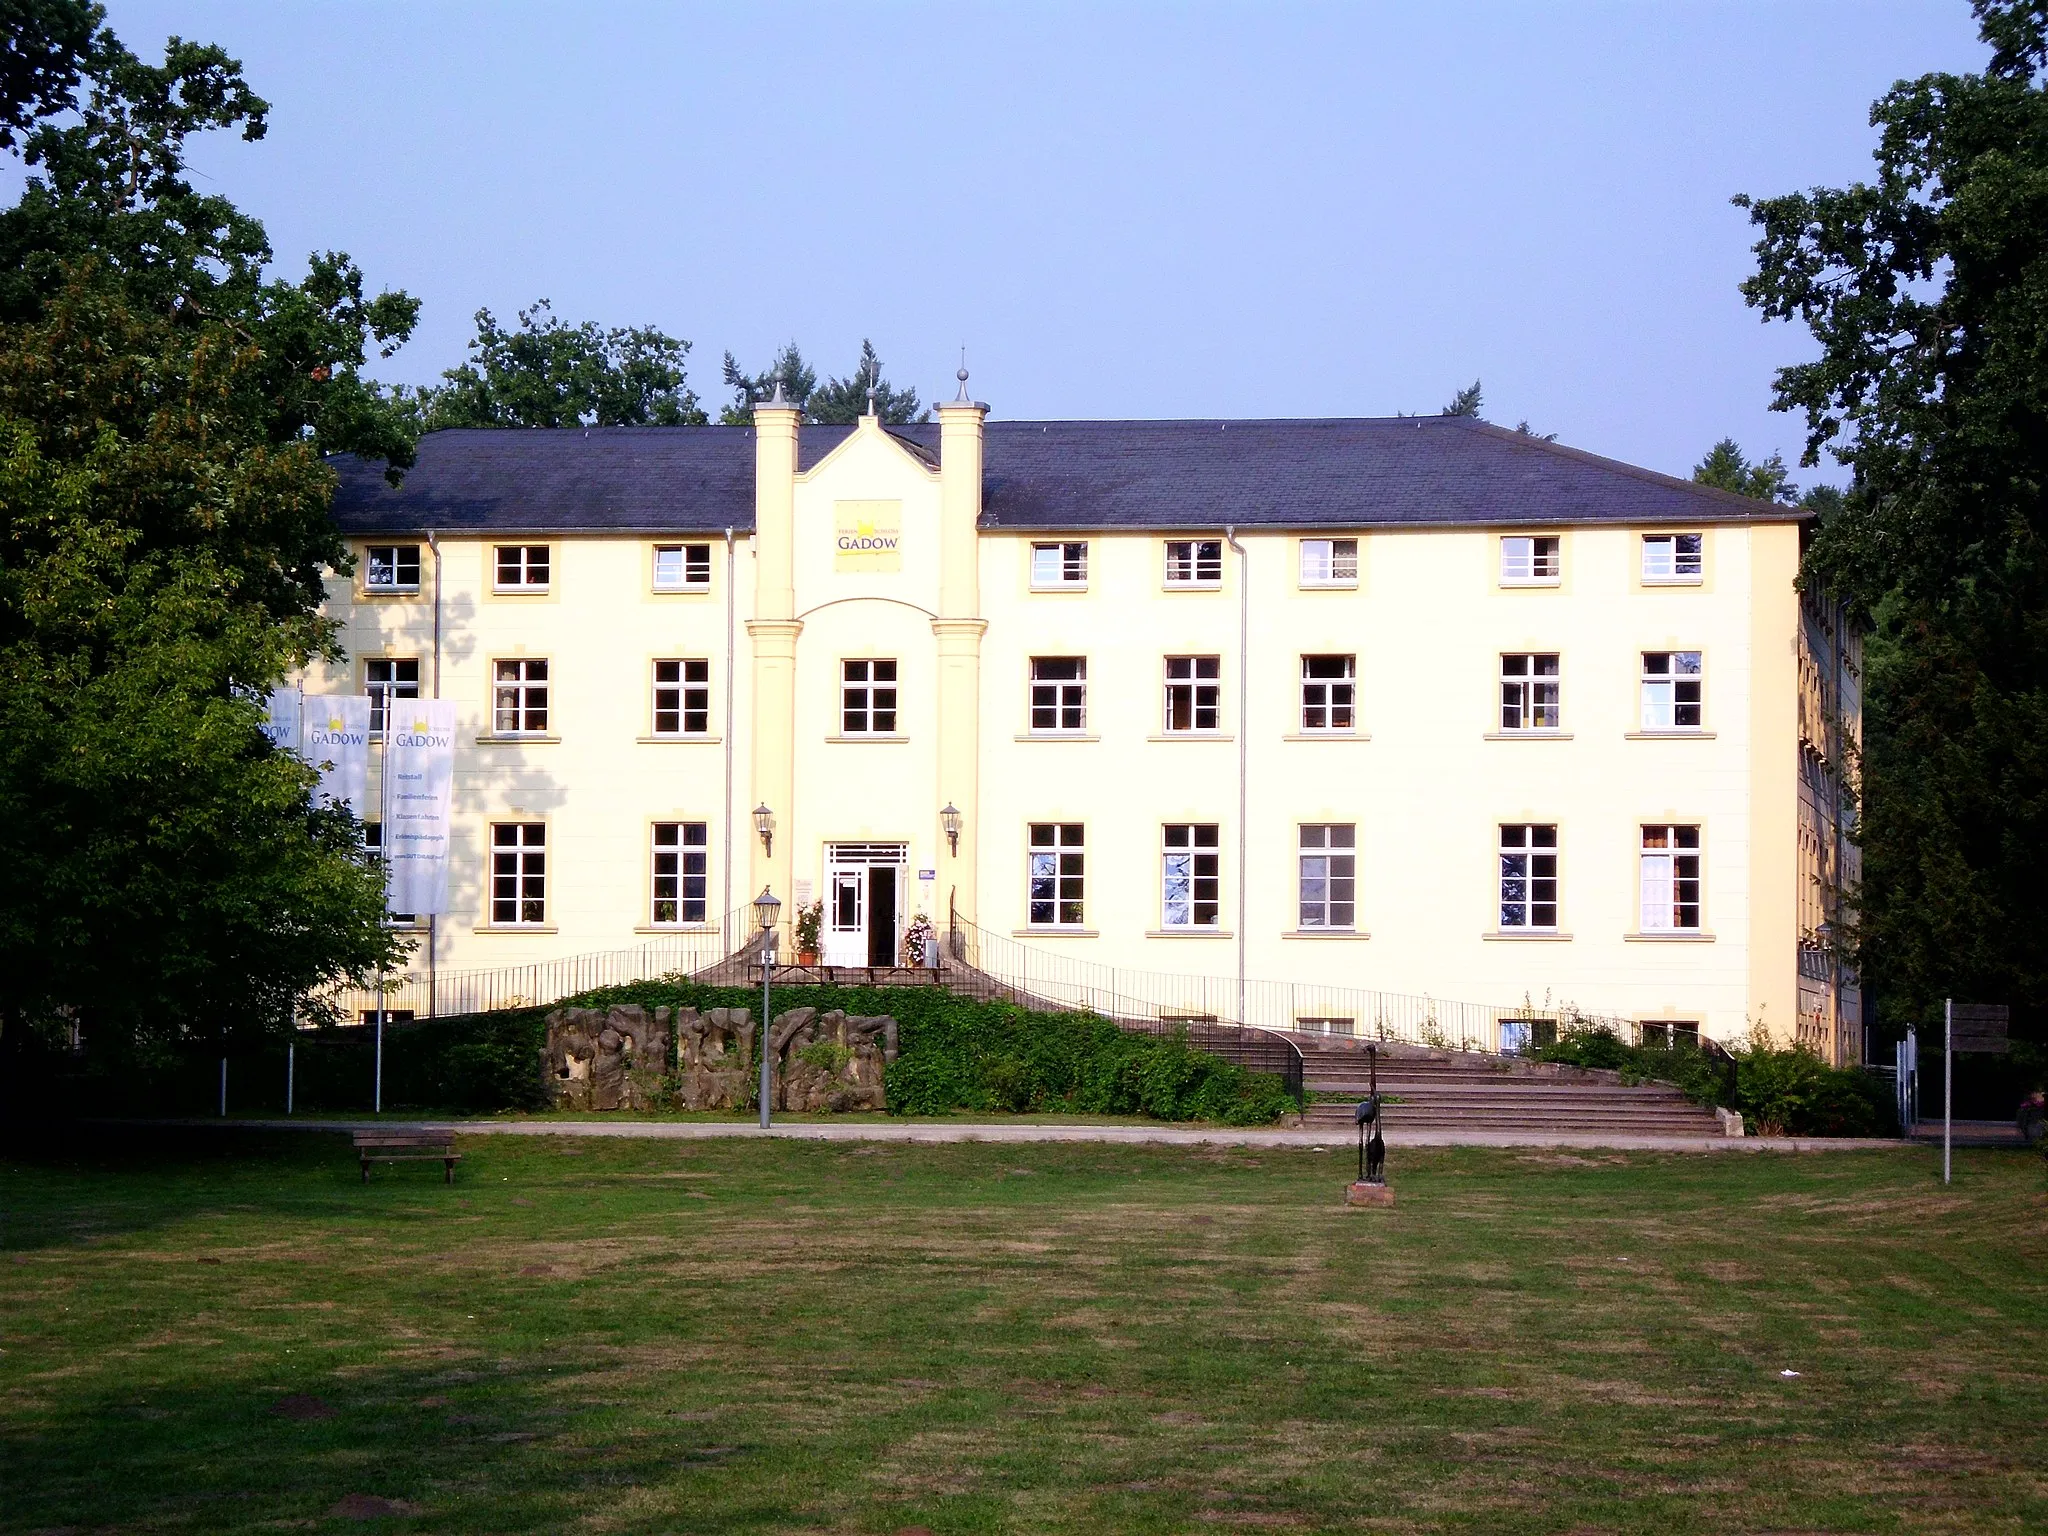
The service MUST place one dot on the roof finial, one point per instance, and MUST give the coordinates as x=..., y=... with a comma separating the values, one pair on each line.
x=778, y=399
x=962, y=397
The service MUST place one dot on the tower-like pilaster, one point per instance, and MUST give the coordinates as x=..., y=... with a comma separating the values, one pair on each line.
x=958, y=630
x=773, y=631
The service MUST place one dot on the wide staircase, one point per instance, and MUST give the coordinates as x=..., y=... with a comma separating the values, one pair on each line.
x=1434, y=1090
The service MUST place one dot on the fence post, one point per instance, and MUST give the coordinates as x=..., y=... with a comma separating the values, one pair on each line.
x=223, y=1087
x=290, y=1071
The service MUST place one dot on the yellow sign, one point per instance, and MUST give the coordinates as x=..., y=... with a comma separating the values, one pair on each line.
x=867, y=536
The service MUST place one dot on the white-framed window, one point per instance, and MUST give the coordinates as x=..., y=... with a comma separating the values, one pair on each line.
x=1519, y=1036
x=682, y=863
x=682, y=567
x=1328, y=684
x=1329, y=875
x=1672, y=696
x=1531, y=558
x=391, y=568
x=1191, y=885
x=1326, y=1024
x=1059, y=867
x=519, y=702
x=1059, y=693
x=1060, y=564
x=1194, y=562
x=386, y=678
x=1194, y=696
x=519, y=873
x=1528, y=876
x=1671, y=879
x=1530, y=697
x=682, y=698
x=522, y=567
x=1329, y=562
x=1674, y=557
x=373, y=841
x=867, y=697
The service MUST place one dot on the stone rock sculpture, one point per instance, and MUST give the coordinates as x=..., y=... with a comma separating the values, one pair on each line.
x=831, y=1062
x=607, y=1058
x=714, y=1059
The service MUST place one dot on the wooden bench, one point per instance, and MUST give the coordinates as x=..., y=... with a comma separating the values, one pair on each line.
x=408, y=1147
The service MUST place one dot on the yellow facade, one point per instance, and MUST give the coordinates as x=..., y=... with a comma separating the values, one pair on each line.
x=875, y=552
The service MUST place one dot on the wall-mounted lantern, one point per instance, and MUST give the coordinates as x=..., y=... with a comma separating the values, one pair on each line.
x=764, y=823
x=949, y=818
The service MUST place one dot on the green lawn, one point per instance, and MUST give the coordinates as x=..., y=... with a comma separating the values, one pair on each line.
x=783, y=1336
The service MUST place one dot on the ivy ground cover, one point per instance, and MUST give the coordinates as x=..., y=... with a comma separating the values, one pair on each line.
x=233, y=1334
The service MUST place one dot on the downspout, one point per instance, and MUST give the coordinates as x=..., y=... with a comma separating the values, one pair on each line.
x=1244, y=646
x=726, y=853
x=433, y=919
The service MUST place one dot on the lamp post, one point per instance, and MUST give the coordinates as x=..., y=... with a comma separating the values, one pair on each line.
x=764, y=823
x=766, y=909
x=949, y=818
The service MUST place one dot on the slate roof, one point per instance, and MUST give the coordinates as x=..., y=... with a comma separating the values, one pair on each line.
x=1376, y=472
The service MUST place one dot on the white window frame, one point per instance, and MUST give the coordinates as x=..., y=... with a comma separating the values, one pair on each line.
x=689, y=568
x=1531, y=559
x=1191, y=863
x=1056, y=874
x=1329, y=562
x=1529, y=877
x=1674, y=683
x=393, y=559
x=680, y=874
x=518, y=874
x=868, y=696
x=1327, y=876
x=1195, y=685
x=682, y=689
x=1674, y=559
x=1671, y=883
x=1196, y=563
x=393, y=685
x=529, y=567
x=1059, y=565
x=1062, y=697
x=520, y=701
x=1331, y=696
x=1523, y=704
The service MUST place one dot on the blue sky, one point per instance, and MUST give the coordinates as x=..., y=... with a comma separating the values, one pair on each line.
x=1149, y=211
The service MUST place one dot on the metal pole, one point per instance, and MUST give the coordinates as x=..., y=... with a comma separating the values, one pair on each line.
x=384, y=868
x=767, y=971
x=290, y=1072
x=223, y=1087
x=1948, y=1079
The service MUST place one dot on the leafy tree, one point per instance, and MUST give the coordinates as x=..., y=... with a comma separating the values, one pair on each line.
x=549, y=373
x=42, y=47
x=1468, y=401
x=164, y=409
x=1727, y=468
x=837, y=401
x=1927, y=290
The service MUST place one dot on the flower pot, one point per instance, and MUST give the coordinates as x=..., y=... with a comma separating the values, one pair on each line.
x=807, y=957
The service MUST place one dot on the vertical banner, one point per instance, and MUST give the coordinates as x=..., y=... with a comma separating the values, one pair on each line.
x=282, y=724
x=336, y=731
x=419, y=777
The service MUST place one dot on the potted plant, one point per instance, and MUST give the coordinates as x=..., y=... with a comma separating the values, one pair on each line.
x=920, y=943
x=810, y=926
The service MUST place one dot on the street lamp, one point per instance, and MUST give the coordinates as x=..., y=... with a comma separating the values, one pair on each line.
x=766, y=910
x=949, y=818
x=764, y=823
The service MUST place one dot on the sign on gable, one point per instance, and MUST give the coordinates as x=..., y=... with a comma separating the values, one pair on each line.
x=867, y=535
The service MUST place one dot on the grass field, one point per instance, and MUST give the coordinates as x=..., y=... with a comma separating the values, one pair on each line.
x=783, y=1337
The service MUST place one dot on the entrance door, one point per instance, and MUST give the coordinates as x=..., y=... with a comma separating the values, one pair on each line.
x=863, y=902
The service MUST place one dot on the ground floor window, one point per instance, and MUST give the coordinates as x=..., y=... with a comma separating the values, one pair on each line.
x=1329, y=875
x=682, y=851
x=1058, y=869
x=1518, y=1037
x=1671, y=879
x=519, y=860
x=1192, y=883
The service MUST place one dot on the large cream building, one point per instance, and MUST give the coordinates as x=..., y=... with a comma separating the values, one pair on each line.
x=1417, y=706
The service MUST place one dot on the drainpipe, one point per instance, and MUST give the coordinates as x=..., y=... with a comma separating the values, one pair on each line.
x=1244, y=646
x=725, y=853
x=433, y=919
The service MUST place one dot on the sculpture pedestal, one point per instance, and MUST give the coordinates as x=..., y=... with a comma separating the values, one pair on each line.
x=1368, y=1194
